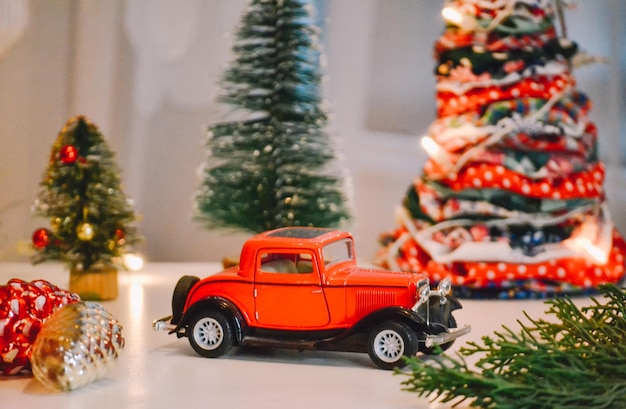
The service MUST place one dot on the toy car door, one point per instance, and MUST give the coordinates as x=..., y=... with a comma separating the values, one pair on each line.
x=287, y=291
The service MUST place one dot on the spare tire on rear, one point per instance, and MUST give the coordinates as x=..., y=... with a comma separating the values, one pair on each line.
x=179, y=297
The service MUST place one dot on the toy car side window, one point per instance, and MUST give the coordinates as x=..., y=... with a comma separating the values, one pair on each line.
x=304, y=263
x=338, y=251
x=286, y=263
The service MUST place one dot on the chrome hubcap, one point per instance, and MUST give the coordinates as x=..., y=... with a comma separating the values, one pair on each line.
x=389, y=346
x=208, y=333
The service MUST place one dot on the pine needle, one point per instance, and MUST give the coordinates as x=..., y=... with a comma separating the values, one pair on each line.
x=576, y=361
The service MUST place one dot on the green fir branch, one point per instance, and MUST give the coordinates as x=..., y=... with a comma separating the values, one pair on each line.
x=576, y=361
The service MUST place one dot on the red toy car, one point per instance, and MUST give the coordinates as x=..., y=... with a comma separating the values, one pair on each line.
x=300, y=287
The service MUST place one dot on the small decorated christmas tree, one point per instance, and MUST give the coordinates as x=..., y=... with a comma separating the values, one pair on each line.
x=511, y=201
x=90, y=217
x=269, y=166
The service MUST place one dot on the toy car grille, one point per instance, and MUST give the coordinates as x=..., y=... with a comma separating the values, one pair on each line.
x=370, y=300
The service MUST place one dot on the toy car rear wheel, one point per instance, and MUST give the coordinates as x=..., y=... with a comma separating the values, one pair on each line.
x=179, y=297
x=389, y=342
x=210, y=334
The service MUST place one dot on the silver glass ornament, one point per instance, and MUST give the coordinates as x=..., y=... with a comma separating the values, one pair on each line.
x=76, y=346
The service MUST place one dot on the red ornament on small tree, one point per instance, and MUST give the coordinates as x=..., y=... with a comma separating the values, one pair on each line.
x=41, y=238
x=68, y=154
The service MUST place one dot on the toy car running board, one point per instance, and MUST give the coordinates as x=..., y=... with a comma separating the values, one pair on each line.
x=164, y=324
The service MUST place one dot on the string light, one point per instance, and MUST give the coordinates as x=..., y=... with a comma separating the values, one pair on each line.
x=436, y=152
x=583, y=241
x=133, y=262
x=583, y=244
x=464, y=21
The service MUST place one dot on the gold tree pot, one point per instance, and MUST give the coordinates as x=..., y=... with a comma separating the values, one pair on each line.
x=96, y=284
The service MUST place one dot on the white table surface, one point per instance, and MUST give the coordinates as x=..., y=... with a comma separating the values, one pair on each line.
x=157, y=370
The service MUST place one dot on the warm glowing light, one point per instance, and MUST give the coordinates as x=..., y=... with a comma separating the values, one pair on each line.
x=584, y=244
x=133, y=262
x=453, y=16
x=587, y=239
x=435, y=151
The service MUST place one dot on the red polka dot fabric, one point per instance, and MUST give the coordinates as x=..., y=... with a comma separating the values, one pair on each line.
x=580, y=184
x=544, y=87
x=511, y=201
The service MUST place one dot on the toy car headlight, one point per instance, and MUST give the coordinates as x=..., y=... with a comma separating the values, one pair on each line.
x=444, y=287
x=424, y=292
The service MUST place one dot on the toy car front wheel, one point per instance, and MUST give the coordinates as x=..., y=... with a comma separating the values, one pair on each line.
x=210, y=334
x=389, y=342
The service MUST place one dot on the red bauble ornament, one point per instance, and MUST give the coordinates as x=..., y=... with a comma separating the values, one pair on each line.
x=119, y=234
x=68, y=154
x=41, y=238
x=24, y=306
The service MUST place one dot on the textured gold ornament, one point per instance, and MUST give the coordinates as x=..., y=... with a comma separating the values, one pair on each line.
x=76, y=346
x=85, y=231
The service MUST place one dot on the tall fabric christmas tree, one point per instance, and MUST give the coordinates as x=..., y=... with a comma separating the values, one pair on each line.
x=511, y=201
x=91, y=220
x=269, y=166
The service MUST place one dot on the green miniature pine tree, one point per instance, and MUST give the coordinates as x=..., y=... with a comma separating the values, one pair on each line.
x=575, y=361
x=269, y=167
x=90, y=217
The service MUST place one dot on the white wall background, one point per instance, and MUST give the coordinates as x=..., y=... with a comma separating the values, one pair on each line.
x=145, y=71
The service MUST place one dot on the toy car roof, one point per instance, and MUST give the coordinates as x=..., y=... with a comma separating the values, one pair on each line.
x=301, y=234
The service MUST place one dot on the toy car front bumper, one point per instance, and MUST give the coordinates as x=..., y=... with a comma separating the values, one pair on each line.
x=448, y=336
